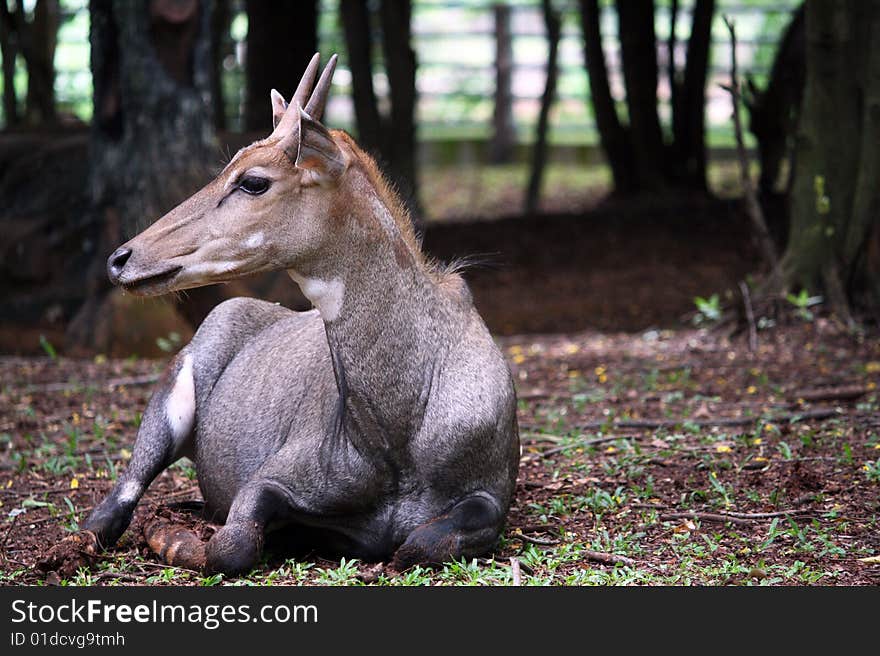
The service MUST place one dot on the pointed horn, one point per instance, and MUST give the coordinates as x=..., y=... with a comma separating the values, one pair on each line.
x=315, y=106
x=301, y=95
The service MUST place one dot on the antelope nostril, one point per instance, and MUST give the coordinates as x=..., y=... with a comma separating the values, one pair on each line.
x=116, y=263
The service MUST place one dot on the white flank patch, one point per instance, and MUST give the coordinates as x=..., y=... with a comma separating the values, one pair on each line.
x=255, y=240
x=326, y=295
x=180, y=406
x=130, y=491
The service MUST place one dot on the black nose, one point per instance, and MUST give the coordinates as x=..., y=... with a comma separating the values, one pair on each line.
x=116, y=263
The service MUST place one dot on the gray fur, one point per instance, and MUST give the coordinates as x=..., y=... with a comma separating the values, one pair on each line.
x=427, y=419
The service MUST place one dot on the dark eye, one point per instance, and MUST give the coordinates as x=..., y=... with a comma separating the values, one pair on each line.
x=253, y=185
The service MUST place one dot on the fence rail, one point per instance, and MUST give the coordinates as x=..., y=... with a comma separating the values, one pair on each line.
x=454, y=41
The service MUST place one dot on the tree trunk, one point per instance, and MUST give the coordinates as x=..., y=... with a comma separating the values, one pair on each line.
x=553, y=24
x=355, y=17
x=689, y=110
x=612, y=135
x=42, y=38
x=773, y=112
x=638, y=46
x=835, y=196
x=221, y=46
x=8, y=52
x=152, y=141
x=671, y=69
x=391, y=140
x=35, y=41
x=503, y=140
x=400, y=65
x=282, y=37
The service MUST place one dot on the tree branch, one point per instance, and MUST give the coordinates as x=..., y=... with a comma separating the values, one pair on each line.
x=753, y=208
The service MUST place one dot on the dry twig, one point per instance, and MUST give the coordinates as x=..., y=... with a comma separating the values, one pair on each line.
x=608, y=558
x=750, y=316
x=515, y=571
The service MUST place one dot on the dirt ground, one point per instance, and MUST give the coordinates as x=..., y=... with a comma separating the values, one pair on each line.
x=657, y=457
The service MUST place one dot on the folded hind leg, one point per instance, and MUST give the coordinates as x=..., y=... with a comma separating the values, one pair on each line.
x=470, y=528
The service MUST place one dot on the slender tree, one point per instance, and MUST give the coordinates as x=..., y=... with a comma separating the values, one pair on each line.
x=553, y=24
x=35, y=40
x=281, y=39
x=613, y=135
x=390, y=138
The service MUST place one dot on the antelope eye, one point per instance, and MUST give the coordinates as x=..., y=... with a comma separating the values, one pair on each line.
x=253, y=185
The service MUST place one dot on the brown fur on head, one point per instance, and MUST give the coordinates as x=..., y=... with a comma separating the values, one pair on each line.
x=276, y=205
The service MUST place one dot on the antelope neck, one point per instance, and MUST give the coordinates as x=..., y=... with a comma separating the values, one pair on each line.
x=388, y=327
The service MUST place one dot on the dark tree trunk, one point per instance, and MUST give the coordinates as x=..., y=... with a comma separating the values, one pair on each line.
x=671, y=70
x=42, y=38
x=553, y=24
x=221, y=46
x=152, y=141
x=835, y=196
x=503, y=140
x=689, y=110
x=8, y=51
x=359, y=41
x=638, y=46
x=35, y=41
x=773, y=112
x=392, y=139
x=282, y=37
x=400, y=64
x=612, y=135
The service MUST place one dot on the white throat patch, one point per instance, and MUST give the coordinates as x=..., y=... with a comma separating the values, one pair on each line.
x=326, y=295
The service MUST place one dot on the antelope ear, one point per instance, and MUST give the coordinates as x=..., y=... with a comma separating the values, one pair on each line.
x=317, y=151
x=279, y=106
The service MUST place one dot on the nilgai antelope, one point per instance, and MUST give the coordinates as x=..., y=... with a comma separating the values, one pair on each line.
x=383, y=422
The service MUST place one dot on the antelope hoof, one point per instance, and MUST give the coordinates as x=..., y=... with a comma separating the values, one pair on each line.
x=108, y=522
x=234, y=549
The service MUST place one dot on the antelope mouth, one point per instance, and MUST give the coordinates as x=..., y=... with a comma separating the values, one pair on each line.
x=152, y=285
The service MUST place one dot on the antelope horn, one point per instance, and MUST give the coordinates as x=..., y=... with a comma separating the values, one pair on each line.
x=315, y=107
x=301, y=95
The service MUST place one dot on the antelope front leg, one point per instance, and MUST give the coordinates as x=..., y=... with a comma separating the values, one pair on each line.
x=164, y=434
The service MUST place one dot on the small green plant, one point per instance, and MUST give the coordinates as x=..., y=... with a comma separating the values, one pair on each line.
x=345, y=574
x=803, y=302
x=720, y=489
x=872, y=470
x=708, y=309
x=46, y=345
x=210, y=581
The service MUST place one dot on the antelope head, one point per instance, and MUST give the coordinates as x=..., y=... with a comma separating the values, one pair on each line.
x=267, y=210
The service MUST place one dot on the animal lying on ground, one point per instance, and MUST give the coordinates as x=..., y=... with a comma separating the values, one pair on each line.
x=383, y=421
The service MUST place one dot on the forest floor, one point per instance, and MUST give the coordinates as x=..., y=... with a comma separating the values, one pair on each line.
x=660, y=457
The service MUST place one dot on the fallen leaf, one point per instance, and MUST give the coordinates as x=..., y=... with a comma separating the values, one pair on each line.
x=870, y=560
x=685, y=527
